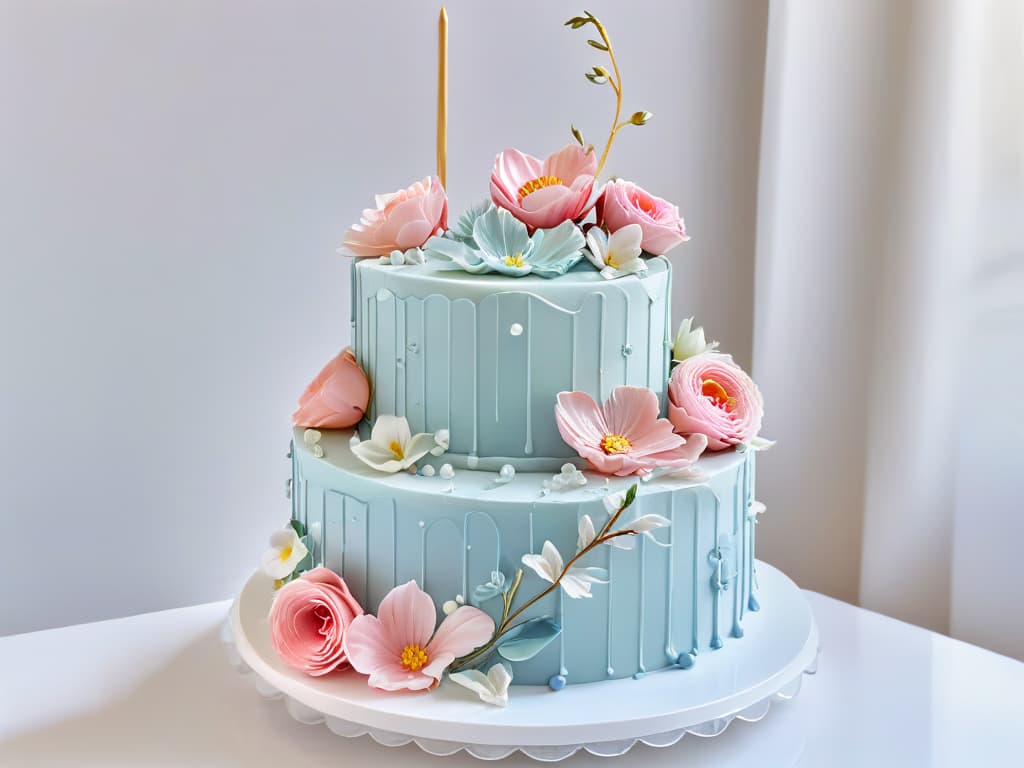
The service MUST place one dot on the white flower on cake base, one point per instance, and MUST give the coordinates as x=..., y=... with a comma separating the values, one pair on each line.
x=576, y=581
x=690, y=341
x=392, y=447
x=617, y=255
x=492, y=688
x=285, y=553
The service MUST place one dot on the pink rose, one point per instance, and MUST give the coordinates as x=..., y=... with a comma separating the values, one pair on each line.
x=308, y=621
x=708, y=394
x=543, y=194
x=337, y=397
x=623, y=203
x=403, y=220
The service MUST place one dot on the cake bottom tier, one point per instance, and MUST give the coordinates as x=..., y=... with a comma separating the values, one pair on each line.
x=681, y=591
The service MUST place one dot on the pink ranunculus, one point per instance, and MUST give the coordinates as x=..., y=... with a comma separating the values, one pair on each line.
x=543, y=194
x=403, y=220
x=708, y=394
x=623, y=202
x=309, y=620
x=625, y=436
x=398, y=647
x=337, y=397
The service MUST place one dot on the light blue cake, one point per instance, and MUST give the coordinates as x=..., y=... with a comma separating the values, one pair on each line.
x=484, y=356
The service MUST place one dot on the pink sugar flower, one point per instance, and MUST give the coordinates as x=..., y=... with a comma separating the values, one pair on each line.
x=710, y=395
x=398, y=647
x=543, y=194
x=337, y=397
x=402, y=220
x=623, y=203
x=625, y=436
x=309, y=619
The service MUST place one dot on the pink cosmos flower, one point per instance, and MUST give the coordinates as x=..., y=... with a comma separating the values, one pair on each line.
x=623, y=203
x=398, y=647
x=309, y=619
x=337, y=397
x=402, y=220
x=710, y=395
x=625, y=436
x=543, y=194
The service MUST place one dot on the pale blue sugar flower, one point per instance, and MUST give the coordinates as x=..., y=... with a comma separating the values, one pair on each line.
x=501, y=243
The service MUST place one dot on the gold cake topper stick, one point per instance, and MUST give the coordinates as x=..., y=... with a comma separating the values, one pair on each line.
x=442, y=96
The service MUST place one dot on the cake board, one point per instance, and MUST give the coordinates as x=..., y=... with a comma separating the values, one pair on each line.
x=606, y=718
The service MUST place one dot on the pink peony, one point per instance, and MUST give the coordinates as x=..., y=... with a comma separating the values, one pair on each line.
x=337, y=397
x=710, y=395
x=403, y=220
x=623, y=203
x=398, y=647
x=544, y=194
x=309, y=619
x=625, y=436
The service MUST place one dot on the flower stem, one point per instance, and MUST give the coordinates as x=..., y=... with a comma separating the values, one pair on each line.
x=616, y=84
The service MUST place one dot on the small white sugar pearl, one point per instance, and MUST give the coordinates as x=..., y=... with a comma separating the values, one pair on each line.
x=447, y=472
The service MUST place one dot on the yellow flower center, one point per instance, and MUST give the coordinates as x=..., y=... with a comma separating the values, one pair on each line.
x=396, y=449
x=515, y=260
x=278, y=583
x=612, y=444
x=539, y=183
x=285, y=553
x=717, y=394
x=413, y=657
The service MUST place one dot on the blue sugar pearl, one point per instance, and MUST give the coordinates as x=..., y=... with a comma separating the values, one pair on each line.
x=685, y=660
x=556, y=682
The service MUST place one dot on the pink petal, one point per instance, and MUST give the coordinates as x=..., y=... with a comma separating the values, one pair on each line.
x=369, y=646
x=461, y=632
x=513, y=168
x=337, y=397
x=579, y=420
x=570, y=161
x=631, y=411
x=553, y=201
x=659, y=437
x=408, y=615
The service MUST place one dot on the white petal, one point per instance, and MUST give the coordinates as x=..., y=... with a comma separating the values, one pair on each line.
x=416, y=448
x=286, y=537
x=586, y=532
x=613, y=501
x=473, y=679
x=760, y=443
x=623, y=542
x=649, y=523
x=552, y=556
x=597, y=245
x=594, y=259
x=311, y=436
x=575, y=587
x=390, y=429
x=377, y=456
x=500, y=678
x=272, y=565
x=442, y=437
x=624, y=244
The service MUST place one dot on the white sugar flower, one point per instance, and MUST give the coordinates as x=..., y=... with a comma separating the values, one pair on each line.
x=569, y=477
x=492, y=688
x=392, y=447
x=442, y=438
x=618, y=255
x=286, y=551
x=586, y=532
x=576, y=583
x=690, y=341
x=642, y=526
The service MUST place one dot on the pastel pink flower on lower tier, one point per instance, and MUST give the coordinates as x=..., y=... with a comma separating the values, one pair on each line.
x=309, y=619
x=544, y=193
x=398, y=647
x=337, y=397
x=710, y=395
x=623, y=203
x=624, y=436
x=402, y=220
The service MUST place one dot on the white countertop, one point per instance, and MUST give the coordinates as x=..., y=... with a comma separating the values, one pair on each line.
x=157, y=689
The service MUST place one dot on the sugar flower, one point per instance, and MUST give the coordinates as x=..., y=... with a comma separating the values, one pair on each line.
x=710, y=395
x=337, y=397
x=623, y=203
x=492, y=688
x=624, y=436
x=690, y=341
x=502, y=244
x=398, y=647
x=575, y=582
x=543, y=194
x=285, y=553
x=618, y=255
x=402, y=220
x=392, y=447
x=309, y=620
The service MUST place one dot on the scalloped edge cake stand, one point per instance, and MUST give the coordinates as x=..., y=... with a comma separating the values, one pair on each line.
x=742, y=681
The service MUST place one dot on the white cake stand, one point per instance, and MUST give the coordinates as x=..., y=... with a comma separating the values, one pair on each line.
x=607, y=718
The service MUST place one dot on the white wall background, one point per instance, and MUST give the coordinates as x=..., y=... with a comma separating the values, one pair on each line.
x=174, y=178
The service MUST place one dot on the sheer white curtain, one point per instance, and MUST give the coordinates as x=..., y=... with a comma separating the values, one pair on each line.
x=889, y=311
